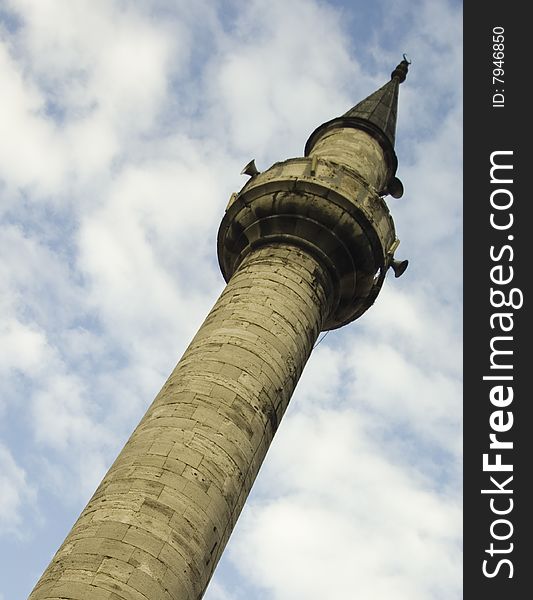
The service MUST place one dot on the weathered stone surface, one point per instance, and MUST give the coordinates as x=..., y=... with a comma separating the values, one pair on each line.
x=156, y=526
x=354, y=149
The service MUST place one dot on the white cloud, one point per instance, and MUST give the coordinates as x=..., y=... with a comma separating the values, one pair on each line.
x=29, y=152
x=15, y=493
x=350, y=519
x=271, y=84
x=83, y=81
x=26, y=347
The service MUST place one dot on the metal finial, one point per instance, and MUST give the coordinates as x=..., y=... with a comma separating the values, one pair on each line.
x=401, y=70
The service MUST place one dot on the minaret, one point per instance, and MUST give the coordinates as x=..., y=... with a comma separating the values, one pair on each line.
x=304, y=247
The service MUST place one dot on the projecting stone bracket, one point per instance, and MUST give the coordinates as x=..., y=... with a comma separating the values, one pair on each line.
x=321, y=206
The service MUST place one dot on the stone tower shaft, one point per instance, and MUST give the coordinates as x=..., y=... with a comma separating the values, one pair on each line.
x=304, y=247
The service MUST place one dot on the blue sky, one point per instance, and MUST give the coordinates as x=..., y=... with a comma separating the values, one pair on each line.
x=123, y=130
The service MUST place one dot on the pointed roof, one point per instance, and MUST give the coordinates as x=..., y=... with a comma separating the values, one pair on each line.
x=379, y=108
x=376, y=115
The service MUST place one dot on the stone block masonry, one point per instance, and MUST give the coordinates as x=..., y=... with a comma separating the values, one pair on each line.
x=157, y=524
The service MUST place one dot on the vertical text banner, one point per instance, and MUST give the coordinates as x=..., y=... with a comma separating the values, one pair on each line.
x=498, y=244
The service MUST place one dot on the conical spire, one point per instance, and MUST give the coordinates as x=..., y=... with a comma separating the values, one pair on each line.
x=376, y=115
x=381, y=107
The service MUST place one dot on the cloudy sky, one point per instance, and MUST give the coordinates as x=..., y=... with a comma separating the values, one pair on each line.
x=124, y=125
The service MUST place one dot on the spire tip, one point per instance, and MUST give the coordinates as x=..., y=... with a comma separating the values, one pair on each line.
x=401, y=70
